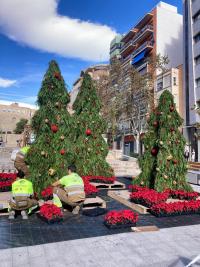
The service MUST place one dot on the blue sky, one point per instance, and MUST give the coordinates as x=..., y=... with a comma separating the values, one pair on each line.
x=76, y=33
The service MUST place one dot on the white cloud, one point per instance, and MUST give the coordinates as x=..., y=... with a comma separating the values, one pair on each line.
x=37, y=24
x=6, y=82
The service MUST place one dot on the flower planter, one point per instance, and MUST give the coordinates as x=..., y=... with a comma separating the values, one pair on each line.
x=50, y=221
x=175, y=214
x=119, y=226
x=5, y=189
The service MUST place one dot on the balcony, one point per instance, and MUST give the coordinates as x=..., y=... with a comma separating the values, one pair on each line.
x=128, y=47
x=143, y=33
x=126, y=60
x=196, y=27
x=197, y=49
x=146, y=45
x=197, y=71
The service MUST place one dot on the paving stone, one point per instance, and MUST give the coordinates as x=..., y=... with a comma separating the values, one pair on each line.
x=39, y=262
x=36, y=251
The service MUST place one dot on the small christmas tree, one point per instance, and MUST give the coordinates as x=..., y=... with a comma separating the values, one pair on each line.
x=90, y=147
x=163, y=164
x=52, y=152
x=147, y=161
x=171, y=164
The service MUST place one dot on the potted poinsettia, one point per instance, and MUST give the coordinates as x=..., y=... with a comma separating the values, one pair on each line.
x=50, y=213
x=47, y=193
x=120, y=219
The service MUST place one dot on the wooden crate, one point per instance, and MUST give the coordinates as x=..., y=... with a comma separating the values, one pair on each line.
x=91, y=203
x=123, y=197
x=115, y=186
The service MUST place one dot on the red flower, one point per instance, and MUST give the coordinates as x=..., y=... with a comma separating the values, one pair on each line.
x=121, y=217
x=50, y=211
x=148, y=197
x=47, y=192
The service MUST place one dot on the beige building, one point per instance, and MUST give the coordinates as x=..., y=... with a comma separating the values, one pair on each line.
x=11, y=113
x=172, y=80
x=96, y=72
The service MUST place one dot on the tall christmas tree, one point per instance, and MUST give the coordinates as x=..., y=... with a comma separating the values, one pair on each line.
x=165, y=149
x=52, y=152
x=90, y=147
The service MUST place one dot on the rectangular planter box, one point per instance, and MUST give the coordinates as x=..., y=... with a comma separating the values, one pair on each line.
x=119, y=226
x=93, y=195
x=52, y=221
x=174, y=214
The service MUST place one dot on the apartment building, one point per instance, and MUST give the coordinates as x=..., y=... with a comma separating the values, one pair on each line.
x=96, y=72
x=171, y=80
x=11, y=113
x=158, y=32
x=191, y=41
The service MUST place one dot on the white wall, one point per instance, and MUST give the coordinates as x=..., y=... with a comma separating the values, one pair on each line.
x=169, y=34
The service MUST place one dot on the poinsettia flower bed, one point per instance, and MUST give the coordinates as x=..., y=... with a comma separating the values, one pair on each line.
x=120, y=218
x=100, y=179
x=176, y=208
x=6, y=180
x=47, y=193
x=180, y=194
x=148, y=197
x=50, y=213
x=90, y=190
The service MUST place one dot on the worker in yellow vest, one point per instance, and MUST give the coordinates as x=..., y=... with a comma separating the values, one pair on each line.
x=22, y=197
x=19, y=161
x=73, y=192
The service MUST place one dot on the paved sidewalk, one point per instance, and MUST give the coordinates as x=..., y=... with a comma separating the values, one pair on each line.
x=172, y=247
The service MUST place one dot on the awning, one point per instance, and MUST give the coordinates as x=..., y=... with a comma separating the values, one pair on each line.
x=139, y=57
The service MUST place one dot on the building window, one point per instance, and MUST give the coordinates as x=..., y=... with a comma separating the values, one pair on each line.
x=197, y=60
x=159, y=84
x=174, y=81
x=197, y=38
x=167, y=81
x=198, y=82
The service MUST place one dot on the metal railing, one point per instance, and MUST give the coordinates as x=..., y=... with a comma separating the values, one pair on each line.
x=142, y=47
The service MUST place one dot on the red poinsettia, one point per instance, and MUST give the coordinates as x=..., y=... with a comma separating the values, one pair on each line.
x=181, y=194
x=50, y=211
x=148, y=197
x=102, y=179
x=176, y=208
x=47, y=192
x=121, y=217
x=6, y=179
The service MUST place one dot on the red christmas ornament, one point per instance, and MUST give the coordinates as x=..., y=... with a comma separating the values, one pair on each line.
x=62, y=151
x=57, y=75
x=54, y=128
x=175, y=161
x=88, y=132
x=171, y=108
x=155, y=123
x=154, y=151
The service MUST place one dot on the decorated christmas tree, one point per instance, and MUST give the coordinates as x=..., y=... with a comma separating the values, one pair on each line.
x=51, y=152
x=163, y=164
x=90, y=147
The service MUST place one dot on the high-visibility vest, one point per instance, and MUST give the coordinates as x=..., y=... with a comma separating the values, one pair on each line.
x=22, y=187
x=56, y=201
x=24, y=150
x=73, y=184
